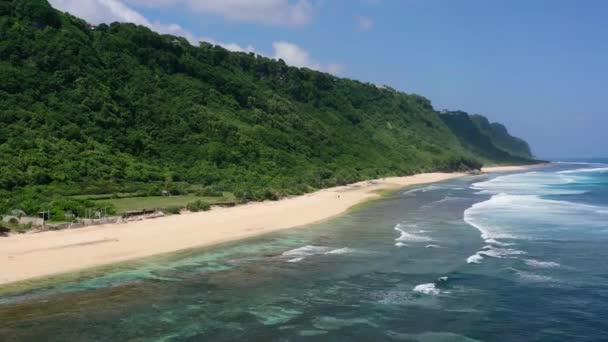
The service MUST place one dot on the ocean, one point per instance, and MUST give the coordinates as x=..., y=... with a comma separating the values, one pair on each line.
x=501, y=257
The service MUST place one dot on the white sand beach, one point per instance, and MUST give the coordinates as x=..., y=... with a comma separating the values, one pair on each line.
x=49, y=253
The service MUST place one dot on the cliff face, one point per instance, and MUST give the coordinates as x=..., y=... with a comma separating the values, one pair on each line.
x=490, y=141
x=501, y=138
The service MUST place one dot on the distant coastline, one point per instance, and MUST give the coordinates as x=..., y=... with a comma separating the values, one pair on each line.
x=45, y=254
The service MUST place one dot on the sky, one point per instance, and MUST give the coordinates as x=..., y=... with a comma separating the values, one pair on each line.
x=538, y=66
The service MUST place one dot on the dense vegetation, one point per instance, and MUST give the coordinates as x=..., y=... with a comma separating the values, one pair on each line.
x=489, y=142
x=121, y=109
x=501, y=138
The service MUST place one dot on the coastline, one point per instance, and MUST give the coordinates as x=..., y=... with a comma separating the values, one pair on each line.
x=32, y=256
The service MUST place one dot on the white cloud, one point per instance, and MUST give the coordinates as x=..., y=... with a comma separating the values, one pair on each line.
x=269, y=12
x=293, y=55
x=296, y=56
x=364, y=23
x=98, y=11
x=276, y=12
x=108, y=11
x=335, y=69
x=154, y=3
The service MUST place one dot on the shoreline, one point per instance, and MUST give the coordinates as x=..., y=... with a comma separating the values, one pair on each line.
x=29, y=257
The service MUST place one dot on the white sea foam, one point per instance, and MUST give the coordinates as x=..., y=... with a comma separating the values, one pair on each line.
x=529, y=183
x=518, y=203
x=471, y=215
x=448, y=198
x=443, y=279
x=507, y=216
x=412, y=191
x=400, y=244
x=533, y=277
x=519, y=209
x=498, y=243
x=494, y=252
x=423, y=189
x=441, y=201
x=405, y=236
x=541, y=264
x=474, y=259
x=584, y=170
x=428, y=289
x=299, y=254
x=338, y=251
x=432, y=246
x=577, y=163
x=305, y=251
x=431, y=188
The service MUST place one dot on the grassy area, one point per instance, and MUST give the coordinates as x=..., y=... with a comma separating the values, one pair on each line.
x=104, y=196
x=123, y=205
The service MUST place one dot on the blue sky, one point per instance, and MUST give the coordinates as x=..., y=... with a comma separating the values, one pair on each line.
x=539, y=67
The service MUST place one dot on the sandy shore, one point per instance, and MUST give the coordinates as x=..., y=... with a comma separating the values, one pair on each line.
x=49, y=253
x=512, y=168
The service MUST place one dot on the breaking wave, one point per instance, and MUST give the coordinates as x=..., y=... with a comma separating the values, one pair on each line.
x=423, y=189
x=340, y=251
x=300, y=253
x=493, y=252
x=428, y=289
x=584, y=170
x=474, y=259
x=533, y=277
x=529, y=183
x=405, y=236
x=519, y=210
x=541, y=264
x=507, y=217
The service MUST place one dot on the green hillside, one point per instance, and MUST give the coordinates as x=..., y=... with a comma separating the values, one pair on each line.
x=501, y=138
x=489, y=142
x=121, y=109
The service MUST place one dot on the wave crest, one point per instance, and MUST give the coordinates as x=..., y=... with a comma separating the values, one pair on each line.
x=474, y=259
x=413, y=237
x=428, y=289
x=541, y=264
x=585, y=170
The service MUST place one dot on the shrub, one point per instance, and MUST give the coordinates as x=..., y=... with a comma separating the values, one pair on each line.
x=198, y=205
x=209, y=192
x=244, y=195
x=271, y=195
x=3, y=229
x=22, y=228
x=13, y=220
x=173, y=210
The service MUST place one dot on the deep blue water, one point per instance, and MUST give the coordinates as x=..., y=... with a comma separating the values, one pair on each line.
x=503, y=257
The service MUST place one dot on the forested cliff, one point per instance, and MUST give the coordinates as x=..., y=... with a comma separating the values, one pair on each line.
x=118, y=108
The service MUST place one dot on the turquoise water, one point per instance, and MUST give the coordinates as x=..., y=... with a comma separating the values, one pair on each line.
x=507, y=257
